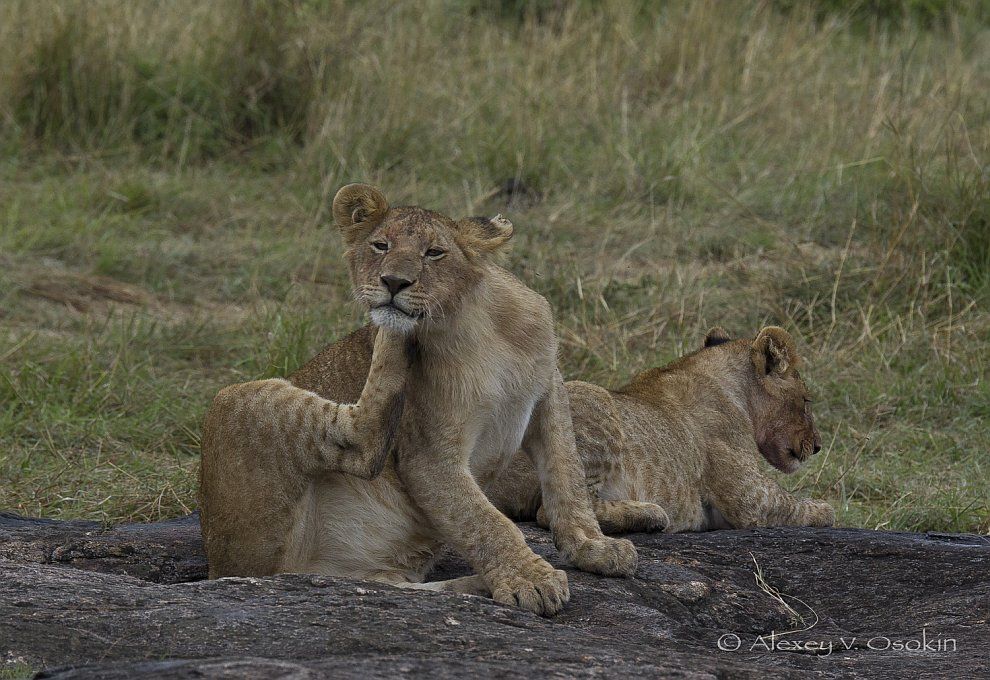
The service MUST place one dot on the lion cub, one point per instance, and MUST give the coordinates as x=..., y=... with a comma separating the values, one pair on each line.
x=263, y=441
x=679, y=448
x=483, y=384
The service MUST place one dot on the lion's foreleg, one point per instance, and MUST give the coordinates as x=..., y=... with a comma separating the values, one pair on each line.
x=622, y=517
x=516, y=492
x=549, y=441
x=747, y=498
x=440, y=483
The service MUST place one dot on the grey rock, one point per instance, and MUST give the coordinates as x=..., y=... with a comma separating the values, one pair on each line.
x=81, y=600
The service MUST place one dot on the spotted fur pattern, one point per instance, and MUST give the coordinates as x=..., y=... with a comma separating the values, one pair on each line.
x=685, y=447
x=264, y=441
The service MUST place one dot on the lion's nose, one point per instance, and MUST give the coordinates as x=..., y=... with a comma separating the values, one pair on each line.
x=817, y=447
x=396, y=284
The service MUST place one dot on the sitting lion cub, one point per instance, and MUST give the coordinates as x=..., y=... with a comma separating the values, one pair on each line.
x=482, y=384
x=679, y=447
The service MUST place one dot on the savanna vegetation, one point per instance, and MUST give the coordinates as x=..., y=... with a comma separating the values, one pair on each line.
x=166, y=170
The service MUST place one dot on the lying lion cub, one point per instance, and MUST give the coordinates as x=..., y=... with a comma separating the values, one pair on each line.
x=679, y=447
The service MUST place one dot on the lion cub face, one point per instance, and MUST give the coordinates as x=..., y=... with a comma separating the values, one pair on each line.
x=785, y=427
x=409, y=265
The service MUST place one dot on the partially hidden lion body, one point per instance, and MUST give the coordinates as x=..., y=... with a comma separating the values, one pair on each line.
x=265, y=441
x=692, y=440
x=482, y=384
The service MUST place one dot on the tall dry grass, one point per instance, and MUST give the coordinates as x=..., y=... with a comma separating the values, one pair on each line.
x=663, y=107
x=686, y=163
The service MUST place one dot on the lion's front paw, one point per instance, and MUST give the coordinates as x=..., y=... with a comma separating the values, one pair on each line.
x=606, y=556
x=538, y=588
x=818, y=513
x=365, y=462
x=617, y=517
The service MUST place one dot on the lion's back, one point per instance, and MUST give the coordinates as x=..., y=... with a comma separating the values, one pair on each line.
x=338, y=372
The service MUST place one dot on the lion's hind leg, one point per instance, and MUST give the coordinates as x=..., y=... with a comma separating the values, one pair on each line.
x=465, y=585
x=266, y=442
x=366, y=430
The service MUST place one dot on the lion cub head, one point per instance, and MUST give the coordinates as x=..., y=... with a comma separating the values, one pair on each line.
x=780, y=402
x=409, y=265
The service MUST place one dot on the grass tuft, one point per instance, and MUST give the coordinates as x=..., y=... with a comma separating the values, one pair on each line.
x=167, y=168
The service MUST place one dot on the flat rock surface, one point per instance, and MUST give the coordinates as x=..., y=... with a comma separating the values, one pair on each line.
x=80, y=600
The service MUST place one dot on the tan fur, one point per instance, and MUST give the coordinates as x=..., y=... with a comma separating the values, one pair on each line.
x=681, y=448
x=483, y=384
x=273, y=438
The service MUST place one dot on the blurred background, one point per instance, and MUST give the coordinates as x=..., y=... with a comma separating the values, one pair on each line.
x=166, y=170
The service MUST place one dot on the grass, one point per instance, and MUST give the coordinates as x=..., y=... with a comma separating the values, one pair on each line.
x=167, y=169
x=16, y=671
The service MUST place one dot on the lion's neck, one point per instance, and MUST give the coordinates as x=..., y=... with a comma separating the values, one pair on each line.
x=460, y=330
x=494, y=348
x=498, y=310
x=726, y=372
x=731, y=372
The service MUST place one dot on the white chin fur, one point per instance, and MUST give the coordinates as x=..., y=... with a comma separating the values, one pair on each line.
x=793, y=465
x=393, y=319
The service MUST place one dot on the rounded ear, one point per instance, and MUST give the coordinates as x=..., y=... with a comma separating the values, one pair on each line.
x=483, y=234
x=357, y=210
x=773, y=352
x=716, y=335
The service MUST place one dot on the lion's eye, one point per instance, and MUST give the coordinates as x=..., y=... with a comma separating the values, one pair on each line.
x=380, y=246
x=435, y=253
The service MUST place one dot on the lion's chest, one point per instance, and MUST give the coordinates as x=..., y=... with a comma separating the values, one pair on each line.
x=487, y=412
x=499, y=435
x=484, y=385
